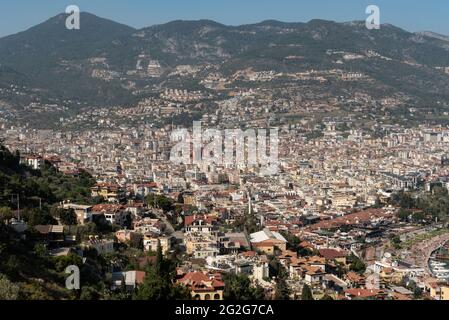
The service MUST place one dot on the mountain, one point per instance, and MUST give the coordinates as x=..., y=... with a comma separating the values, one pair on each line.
x=104, y=62
x=431, y=34
x=49, y=55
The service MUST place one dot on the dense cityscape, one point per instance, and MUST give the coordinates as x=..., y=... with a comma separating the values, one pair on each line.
x=356, y=208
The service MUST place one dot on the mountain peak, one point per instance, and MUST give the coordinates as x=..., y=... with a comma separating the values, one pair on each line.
x=88, y=23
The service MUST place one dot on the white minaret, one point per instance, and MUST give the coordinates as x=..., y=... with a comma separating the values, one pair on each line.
x=250, y=205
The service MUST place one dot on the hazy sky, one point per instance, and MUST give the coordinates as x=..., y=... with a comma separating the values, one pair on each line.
x=412, y=15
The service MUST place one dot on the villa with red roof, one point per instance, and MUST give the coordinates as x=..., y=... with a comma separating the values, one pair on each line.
x=203, y=286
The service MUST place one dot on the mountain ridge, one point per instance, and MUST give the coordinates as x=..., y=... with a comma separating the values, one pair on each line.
x=263, y=22
x=97, y=63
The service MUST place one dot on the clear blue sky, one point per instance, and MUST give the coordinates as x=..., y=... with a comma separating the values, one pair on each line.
x=412, y=15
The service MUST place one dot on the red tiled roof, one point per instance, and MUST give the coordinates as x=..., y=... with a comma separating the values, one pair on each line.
x=351, y=219
x=267, y=243
x=198, y=281
x=354, y=277
x=189, y=220
x=249, y=254
x=364, y=293
x=332, y=254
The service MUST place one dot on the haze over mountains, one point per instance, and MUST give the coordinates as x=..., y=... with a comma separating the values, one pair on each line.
x=56, y=63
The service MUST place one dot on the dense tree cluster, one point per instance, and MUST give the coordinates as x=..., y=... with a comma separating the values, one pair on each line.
x=356, y=264
x=239, y=287
x=160, y=202
x=39, y=188
x=159, y=282
x=282, y=289
x=423, y=206
x=306, y=293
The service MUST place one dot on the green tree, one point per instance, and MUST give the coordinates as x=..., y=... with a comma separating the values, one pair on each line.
x=62, y=262
x=160, y=202
x=356, y=264
x=306, y=293
x=68, y=217
x=89, y=293
x=159, y=282
x=418, y=217
x=41, y=250
x=396, y=241
x=282, y=290
x=417, y=293
x=292, y=241
x=158, y=287
x=5, y=214
x=36, y=217
x=239, y=287
x=159, y=258
x=403, y=215
x=8, y=290
x=404, y=200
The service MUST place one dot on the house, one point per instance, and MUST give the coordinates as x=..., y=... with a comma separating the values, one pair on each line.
x=243, y=266
x=437, y=289
x=102, y=246
x=201, y=243
x=268, y=246
x=390, y=275
x=266, y=241
x=334, y=283
x=83, y=212
x=142, y=190
x=287, y=256
x=128, y=236
x=261, y=271
x=365, y=294
x=307, y=246
x=33, y=161
x=400, y=268
x=399, y=296
x=313, y=261
x=203, y=286
x=354, y=280
x=299, y=266
x=148, y=225
x=200, y=223
x=51, y=234
x=401, y=293
x=151, y=243
x=115, y=214
x=238, y=238
x=130, y=279
x=108, y=191
x=313, y=275
x=338, y=256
